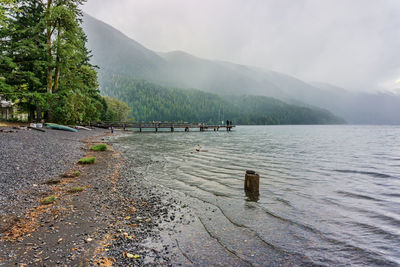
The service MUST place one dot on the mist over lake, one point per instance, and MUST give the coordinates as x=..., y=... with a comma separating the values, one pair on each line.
x=124, y=62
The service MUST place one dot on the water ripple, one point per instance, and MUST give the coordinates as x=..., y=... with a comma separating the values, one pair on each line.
x=328, y=194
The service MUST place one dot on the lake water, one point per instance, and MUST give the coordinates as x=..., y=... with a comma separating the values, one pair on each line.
x=329, y=195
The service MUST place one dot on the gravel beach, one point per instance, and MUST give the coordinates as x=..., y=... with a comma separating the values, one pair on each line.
x=29, y=158
x=116, y=218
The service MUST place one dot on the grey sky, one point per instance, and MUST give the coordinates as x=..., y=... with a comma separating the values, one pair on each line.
x=350, y=43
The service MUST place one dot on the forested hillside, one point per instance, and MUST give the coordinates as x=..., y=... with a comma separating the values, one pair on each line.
x=116, y=53
x=150, y=102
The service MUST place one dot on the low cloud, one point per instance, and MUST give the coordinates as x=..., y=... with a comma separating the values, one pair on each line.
x=353, y=44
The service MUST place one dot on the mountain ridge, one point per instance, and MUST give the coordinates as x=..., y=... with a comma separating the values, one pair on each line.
x=202, y=74
x=117, y=53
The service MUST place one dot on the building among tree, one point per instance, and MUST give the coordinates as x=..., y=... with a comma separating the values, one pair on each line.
x=6, y=109
x=10, y=111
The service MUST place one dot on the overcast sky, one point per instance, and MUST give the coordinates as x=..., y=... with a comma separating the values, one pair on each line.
x=350, y=43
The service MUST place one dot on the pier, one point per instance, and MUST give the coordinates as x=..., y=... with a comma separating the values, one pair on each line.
x=156, y=126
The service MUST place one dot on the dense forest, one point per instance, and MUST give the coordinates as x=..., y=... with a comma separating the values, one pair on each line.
x=150, y=102
x=45, y=66
x=46, y=70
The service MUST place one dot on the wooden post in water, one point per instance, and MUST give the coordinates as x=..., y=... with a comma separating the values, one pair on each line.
x=252, y=185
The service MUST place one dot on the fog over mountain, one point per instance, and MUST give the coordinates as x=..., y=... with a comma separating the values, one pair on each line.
x=352, y=44
x=115, y=53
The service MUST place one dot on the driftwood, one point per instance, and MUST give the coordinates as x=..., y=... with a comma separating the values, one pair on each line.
x=20, y=128
x=7, y=131
x=37, y=129
x=82, y=128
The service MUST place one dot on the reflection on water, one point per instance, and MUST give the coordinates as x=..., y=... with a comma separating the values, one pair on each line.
x=328, y=194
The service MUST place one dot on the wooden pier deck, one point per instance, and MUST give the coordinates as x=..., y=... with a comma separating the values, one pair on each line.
x=163, y=125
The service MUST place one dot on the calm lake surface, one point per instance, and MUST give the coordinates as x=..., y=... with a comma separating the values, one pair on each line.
x=329, y=195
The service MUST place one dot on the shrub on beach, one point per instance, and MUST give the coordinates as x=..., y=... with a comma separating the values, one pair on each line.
x=99, y=147
x=87, y=160
x=76, y=189
x=48, y=200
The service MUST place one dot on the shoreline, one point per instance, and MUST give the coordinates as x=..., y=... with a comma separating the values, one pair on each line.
x=121, y=218
x=108, y=223
x=131, y=213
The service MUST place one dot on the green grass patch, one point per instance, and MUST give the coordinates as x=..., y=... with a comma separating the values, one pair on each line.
x=99, y=147
x=48, y=200
x=87, y=160
x=76, y=173
x=76, y=189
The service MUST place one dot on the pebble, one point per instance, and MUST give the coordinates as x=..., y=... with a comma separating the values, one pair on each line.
x=33, y=157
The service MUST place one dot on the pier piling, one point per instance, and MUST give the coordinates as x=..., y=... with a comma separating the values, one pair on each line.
x=252, y=185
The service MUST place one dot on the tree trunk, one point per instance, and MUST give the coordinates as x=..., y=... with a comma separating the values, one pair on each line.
x=31, y=115
x=49, y=46
x=57, y=73
x=38, y=114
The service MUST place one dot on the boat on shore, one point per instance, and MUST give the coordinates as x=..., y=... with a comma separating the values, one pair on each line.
x=60, y=127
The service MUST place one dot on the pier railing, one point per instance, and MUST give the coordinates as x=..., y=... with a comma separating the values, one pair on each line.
x=162, y=125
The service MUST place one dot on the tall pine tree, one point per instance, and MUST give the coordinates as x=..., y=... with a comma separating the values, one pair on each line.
x=45, y=65
x=24, y=59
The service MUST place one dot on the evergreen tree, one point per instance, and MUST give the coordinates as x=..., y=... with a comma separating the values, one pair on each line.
x=24, y=60
x=70, y=74
x=5, y=7
x=62, y=25
x=45, y=64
